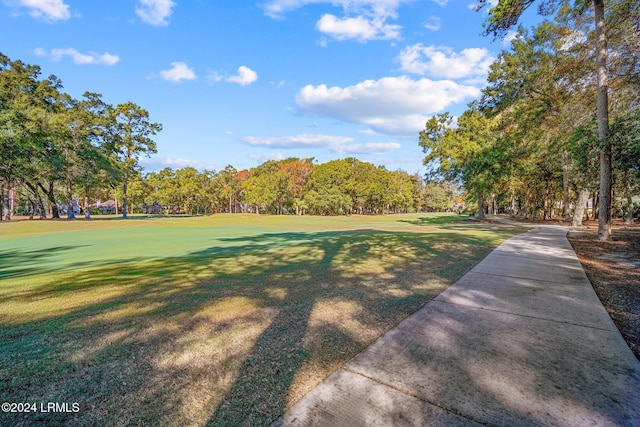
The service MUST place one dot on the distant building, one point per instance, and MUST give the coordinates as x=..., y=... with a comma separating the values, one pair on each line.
x=108, y=207
x=153, y=208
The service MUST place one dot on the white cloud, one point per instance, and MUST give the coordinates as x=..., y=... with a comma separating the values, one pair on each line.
x=47, y=10
x=245, y=76
x=277, y=8
x=476, y=7
x=178, y=71
x=79, y=58
x=304, y=140
x=370, y=148
x=509, y=37
x=433, y=24
x=363, y=19
x=155, y=12
x=444, y=62
x=333, y=143
x=157, y=163
x=367, y=132
x=391, y=105
x=214, y=77
x=261, y=158
x=358, y=28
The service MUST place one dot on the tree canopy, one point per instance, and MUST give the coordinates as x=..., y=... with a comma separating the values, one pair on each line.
x=60, y=147
x=539, y=139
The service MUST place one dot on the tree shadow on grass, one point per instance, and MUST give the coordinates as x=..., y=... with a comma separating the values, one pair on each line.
x=16, y=263
x=230, y=335
x=491, y=351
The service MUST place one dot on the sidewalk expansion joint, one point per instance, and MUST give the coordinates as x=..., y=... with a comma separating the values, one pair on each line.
x=528, y=317
x=420, y=398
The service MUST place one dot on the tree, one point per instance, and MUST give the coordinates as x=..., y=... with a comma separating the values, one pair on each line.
x=25, y=102
x=435, y=198
x=162, y=188
x=329, y=190
x=299, y=172
x=230, y=186
x=76, y=131
x=466, y=154
x=400, y=191
x=625, y=141
x=504, y=16
x=540, y=89
x=130, y=133
x=370, y=187
x=96, y=168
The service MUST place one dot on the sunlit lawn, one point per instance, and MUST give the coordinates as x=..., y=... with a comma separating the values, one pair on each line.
x=221, y=320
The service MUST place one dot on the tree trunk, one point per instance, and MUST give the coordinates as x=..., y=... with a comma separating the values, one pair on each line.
x=628, y=192
x=581, y=205
x=124, y=197
x=565, y=186
x=87, y=211
x=545, y=204
x=480, y=206
x=12, y=199
x=38, y=200
x=604, y=215
x=6, y=202
x=2, y=210
x=71, y=214
x=52, y=200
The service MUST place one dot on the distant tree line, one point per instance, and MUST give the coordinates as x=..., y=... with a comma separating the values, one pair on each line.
x=548, y=134
x=60, y=156
x=288, y=187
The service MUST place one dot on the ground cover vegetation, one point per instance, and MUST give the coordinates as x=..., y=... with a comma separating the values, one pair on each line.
x=558, y=123
x=209, y=320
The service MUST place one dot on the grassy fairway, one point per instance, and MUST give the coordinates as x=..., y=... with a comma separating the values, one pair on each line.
x=222, y=320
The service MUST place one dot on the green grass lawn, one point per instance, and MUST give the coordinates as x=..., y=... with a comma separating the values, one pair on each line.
x=221, y=320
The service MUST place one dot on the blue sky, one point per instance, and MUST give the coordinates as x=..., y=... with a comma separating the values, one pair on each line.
x=240, y=82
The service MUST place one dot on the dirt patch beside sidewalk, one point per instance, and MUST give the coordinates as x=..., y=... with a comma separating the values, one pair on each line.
x=613, y=268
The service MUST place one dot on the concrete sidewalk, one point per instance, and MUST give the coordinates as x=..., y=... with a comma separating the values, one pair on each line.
x=521, y=340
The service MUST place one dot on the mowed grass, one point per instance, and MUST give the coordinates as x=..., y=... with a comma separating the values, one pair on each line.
x=221, y=320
